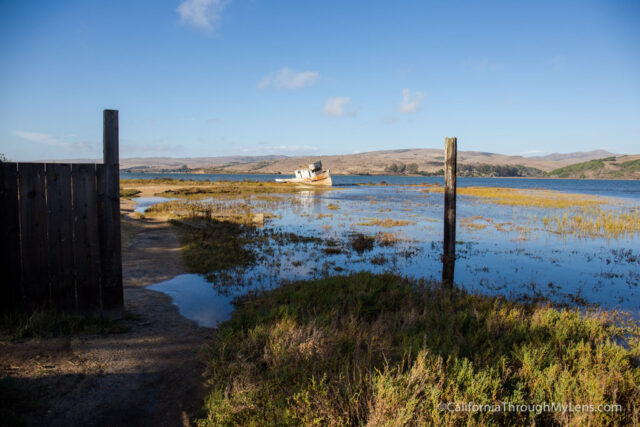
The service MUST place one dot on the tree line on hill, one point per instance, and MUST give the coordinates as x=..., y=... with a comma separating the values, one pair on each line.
x=477, y=170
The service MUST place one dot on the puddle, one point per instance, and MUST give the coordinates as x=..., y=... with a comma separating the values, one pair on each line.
x=144, y=203
x=196, y=299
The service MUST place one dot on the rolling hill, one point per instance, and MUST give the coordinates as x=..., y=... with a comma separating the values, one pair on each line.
x=415, y=161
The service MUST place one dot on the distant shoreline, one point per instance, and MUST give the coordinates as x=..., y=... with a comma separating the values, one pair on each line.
x=380, y=175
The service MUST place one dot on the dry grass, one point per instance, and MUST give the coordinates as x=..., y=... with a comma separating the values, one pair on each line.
x=531, y=198
x=565, y=214
x=387, y=239
x=595, y=223
x=192, y=189
x=386, y=223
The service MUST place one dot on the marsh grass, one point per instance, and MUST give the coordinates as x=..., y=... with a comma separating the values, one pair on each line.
x=548, y=199
x=594, y=223
x=240, y=213
x=128, y=193
x=370, y=349
x=361, y=242
x=565, y=214
x=387, y=239
x=211, y=247
x=232, y=189
x=386, y=223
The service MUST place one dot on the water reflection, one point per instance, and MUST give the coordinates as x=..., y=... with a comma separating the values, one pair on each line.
x=196, y=300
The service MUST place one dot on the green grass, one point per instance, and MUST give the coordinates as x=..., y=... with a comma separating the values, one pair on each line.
x=215, y=246
x=385, y=350
x=46, y=324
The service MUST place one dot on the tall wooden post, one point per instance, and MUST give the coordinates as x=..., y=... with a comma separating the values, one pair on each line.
x=109, y=182
x=449, y=244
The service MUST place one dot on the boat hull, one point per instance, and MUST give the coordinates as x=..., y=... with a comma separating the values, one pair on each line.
x=321, y=179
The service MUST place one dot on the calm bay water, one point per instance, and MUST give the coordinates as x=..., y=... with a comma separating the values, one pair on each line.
x=490, y=259
x=611, y=188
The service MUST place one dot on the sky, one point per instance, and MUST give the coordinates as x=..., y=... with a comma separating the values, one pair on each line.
x=194, y=78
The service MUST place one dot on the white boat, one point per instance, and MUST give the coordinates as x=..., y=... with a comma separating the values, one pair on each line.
x=313, y=175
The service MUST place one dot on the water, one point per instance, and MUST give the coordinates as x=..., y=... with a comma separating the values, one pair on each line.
x=613, y=188
x=511, y=262
x=144, y=203
x=195, y=299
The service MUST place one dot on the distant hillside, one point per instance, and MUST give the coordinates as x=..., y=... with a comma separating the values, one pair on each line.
x=413, y=161
x=609, y=167
x=420, y=161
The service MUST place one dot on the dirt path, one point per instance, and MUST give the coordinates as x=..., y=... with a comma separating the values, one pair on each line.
x=150, y=375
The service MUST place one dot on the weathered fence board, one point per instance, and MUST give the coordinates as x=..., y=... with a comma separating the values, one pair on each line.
x=61, y=263
x=34, y=238
x=86, y=245
x=10, y=289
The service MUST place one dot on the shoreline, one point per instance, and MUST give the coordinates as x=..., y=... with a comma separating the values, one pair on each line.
x=383, y=175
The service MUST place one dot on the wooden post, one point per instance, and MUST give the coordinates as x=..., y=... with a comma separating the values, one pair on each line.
x=109, y=182
x=449, y=244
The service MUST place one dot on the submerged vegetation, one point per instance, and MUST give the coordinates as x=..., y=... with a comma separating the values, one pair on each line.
x=562, y=213
x=387, y=222
x=529, y=198
x=209, y=246
x=385, y=350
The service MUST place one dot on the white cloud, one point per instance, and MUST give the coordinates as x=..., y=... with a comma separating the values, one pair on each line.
x=289, y=79
x=51, y=140
x=410, y=101
x=533, y=153
x=201, y=14
x=336, y=106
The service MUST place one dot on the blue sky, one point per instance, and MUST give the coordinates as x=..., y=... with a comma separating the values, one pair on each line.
x=256, y=77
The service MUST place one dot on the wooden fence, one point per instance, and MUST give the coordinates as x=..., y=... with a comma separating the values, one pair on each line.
x=60, y=246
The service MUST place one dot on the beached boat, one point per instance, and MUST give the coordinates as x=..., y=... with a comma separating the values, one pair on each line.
x=313, y=175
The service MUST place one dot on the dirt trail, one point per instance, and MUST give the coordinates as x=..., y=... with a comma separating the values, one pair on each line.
x=150, y=375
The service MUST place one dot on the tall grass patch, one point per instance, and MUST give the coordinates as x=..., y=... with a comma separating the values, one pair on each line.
x=379, y=349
